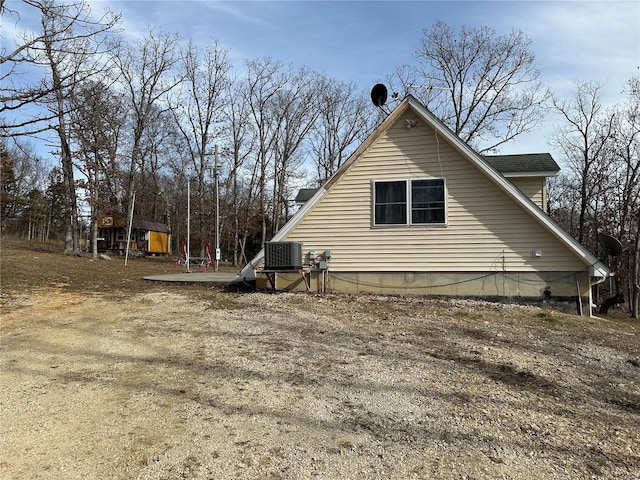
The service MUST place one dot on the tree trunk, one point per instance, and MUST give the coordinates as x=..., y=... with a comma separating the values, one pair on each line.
x=635, y=300
x=94, y=232
x=236, y=220
x=72, y=227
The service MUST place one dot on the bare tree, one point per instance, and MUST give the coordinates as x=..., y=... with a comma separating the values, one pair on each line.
x=97, y=120
x=345, y=116
x=146, y=75
x=600, y=192
x=22, y=173
x=197, y=108
x=297, y=108
x=69, y=48
x=484, y=86
x=265, y=78
x=563, y=202
x=173, y=186
x=625, y=153
x=241, y=146
x=68, y=31
x=159, y=141
x=583, y=139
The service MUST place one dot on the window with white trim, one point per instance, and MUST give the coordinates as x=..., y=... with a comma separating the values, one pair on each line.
x=409, y=202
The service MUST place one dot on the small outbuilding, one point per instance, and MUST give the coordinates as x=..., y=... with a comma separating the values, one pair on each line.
x=415, y=210
x=150, y=238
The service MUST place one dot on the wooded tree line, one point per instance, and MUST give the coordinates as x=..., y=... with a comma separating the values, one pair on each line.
x=599, y=192
x=145, y=117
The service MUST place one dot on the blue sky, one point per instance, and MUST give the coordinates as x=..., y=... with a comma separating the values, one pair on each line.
x=364, y=41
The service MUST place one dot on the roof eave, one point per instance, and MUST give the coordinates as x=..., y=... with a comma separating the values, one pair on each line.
x=546, y=174
x=600, y=270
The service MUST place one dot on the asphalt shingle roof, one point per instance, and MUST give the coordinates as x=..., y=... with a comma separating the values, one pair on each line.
x=523, y=163
x=304, y=194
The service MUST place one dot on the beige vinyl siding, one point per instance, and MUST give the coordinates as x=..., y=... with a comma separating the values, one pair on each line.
x=486, y=230
x=532, y=187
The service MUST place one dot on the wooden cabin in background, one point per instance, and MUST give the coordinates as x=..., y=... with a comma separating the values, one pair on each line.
x=150, y=238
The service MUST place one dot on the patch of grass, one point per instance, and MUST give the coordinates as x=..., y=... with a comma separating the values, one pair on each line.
x=597, y=464
x=423, y=332
x=340, y=448
x=547, y=317
x=28, y=267
x=467, y=315
x=221, y=304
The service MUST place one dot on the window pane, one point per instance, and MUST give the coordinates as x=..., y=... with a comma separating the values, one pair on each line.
x=427, y=201
x=390, y=203
x=391, y=214
x=428, y=216
x=391, y=192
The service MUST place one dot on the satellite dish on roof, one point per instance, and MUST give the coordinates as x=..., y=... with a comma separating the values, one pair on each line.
x=611, y=245
x=379, y=94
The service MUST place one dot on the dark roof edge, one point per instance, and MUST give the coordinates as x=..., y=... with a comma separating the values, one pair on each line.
x=526, y=164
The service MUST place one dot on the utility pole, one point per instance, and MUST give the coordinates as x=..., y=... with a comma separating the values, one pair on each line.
x=188, y=252
x=217, y=219
x=126, y=252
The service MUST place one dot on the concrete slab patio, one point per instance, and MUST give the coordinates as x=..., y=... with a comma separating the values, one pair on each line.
x=195, y=277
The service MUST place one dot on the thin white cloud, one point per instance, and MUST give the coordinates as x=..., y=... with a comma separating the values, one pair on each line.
x=577, y=41
x=232, y=9
x=585, y=41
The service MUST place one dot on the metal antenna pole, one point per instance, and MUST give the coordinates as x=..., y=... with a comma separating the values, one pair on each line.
x=126, y=254
x=217, y=253
x=188, y=221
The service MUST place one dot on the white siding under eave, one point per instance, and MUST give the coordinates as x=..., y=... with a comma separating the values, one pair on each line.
x=486, y=230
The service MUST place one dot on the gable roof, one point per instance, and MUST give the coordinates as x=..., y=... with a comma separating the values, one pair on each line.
x=597, y=268
x=304, y=195
x=151, y=226
x=524, y=165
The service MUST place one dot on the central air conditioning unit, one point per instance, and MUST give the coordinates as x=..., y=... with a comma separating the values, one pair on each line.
x=282, y=255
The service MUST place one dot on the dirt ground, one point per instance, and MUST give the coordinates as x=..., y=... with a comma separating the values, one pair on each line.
x=104, y=375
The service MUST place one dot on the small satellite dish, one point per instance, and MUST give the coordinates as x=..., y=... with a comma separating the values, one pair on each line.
x=610, y=244
x=379, y=94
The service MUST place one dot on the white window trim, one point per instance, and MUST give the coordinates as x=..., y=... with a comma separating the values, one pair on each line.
x=408, y=203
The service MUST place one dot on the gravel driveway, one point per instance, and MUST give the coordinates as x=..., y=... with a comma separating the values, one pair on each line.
x=295, y=386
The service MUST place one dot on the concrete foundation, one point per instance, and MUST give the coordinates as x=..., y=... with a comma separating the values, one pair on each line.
x=535, y=286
